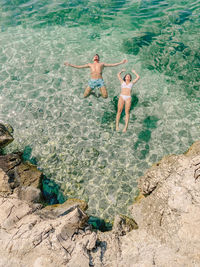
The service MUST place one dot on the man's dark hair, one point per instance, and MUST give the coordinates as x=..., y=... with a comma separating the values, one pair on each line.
x=126, y=75
x=98, y=56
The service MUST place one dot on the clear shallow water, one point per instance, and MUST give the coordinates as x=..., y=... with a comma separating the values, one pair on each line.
x=74, y=139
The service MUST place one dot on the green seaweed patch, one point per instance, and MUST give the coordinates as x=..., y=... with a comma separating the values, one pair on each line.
x=150, y=122
x=145, y=135
x=142, y=144
x=26, y=156
x=108, y=117
x=51, y=192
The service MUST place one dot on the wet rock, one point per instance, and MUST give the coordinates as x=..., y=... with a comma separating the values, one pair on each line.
x=24, y=176
x=29, y=175
x=5, y=188
x=66, y=207
x=8, y=164
x=194, y=150
x=5, y=135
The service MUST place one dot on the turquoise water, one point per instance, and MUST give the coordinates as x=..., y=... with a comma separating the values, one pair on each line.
x=74, y=139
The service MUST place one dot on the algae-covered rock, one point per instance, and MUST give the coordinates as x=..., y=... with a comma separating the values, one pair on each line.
x=123, y=224
x=138, y=198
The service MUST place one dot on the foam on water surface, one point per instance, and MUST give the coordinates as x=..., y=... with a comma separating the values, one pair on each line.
x=74, y=139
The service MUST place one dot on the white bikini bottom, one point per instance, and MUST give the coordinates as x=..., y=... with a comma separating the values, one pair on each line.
x=125, y=97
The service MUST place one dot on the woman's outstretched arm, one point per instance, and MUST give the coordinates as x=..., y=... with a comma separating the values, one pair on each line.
x=137, y=76
x=119, y=75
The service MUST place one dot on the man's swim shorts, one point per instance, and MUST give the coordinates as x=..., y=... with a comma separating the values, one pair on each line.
x=93, y=83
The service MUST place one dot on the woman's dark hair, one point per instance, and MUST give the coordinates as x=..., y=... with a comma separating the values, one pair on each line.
x=126, y=75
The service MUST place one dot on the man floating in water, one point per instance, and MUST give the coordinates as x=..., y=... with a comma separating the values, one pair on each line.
x=96, y=74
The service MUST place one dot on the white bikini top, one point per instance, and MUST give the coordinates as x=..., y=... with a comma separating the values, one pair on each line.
x=124, y=85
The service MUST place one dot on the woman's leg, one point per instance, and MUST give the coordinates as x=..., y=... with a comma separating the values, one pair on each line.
x=127, y=110
x=119, y=111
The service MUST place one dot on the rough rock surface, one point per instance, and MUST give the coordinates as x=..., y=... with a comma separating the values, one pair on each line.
x=28, y=237
x=168, y=218
x=172, y=208
x=5, y=135
x=164, y=231
x=22, y=178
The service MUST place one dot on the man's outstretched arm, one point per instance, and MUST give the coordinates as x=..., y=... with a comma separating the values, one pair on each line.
x=76, y=66
x=116, y=64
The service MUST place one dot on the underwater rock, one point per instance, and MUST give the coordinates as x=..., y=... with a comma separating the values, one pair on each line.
x=133, y=45
x=183, y=16
x=5, y=135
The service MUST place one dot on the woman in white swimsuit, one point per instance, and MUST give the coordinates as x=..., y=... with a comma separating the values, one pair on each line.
x=125, y=96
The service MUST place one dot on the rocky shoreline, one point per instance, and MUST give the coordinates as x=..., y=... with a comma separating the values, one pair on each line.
x=165, y=230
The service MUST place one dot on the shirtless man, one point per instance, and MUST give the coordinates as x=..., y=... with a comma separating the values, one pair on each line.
x=96, y=75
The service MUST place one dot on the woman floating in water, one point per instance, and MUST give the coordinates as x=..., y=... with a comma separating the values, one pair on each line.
x=125, y=96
